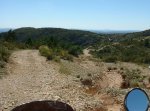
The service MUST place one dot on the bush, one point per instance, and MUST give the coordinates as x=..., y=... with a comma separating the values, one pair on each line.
x=56, y=58
x=132, y=78
x=75, y=50
x=65, y=55
x=4, y=53
x=10, y=45
x=46, y=51
x=55, y=54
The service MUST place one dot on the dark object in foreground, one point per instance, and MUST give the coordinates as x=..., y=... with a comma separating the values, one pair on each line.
x=44, y=106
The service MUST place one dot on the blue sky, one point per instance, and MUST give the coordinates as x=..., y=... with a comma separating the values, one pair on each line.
x=76, y=14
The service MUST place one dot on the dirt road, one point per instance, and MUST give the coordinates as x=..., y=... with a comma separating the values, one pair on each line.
x=31, y=77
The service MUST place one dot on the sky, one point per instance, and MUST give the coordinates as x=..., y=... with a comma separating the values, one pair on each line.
x=76, y=14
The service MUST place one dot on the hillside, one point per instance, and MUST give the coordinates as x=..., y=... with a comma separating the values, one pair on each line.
x=137, y=35
x=73, y=36
x=79, y=37
x=108, y=47
x=132, y=47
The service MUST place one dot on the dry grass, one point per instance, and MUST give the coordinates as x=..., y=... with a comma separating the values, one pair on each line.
x=115, y=92
x=132, y=78
x=2, y=72
x=64, y=70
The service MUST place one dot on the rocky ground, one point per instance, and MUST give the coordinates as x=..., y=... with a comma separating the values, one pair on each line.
x=87, y=84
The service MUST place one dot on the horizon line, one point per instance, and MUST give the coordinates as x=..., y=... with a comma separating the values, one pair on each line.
x=79, y=28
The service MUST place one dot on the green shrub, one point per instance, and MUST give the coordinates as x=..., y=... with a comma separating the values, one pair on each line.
x=65, y=55
x=75, y=50
x=10, y=45
x=56, y=58
x=46, y=51
x=4, y=53
x=55, y=54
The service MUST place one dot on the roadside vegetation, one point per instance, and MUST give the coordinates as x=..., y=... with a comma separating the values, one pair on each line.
x=53, y=54
x=6, y=46
x=132, y=78
x=130, y=50
x=52, y=47
x=8, y=43
x=64, y=44
x=4, y=55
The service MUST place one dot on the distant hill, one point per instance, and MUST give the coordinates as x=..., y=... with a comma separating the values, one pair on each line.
x=74, y=36
x=134, y=35
x=79, y=37
x=113, y=31
x=131, y=47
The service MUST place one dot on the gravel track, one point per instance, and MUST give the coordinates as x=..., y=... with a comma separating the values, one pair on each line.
x=31, y=77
